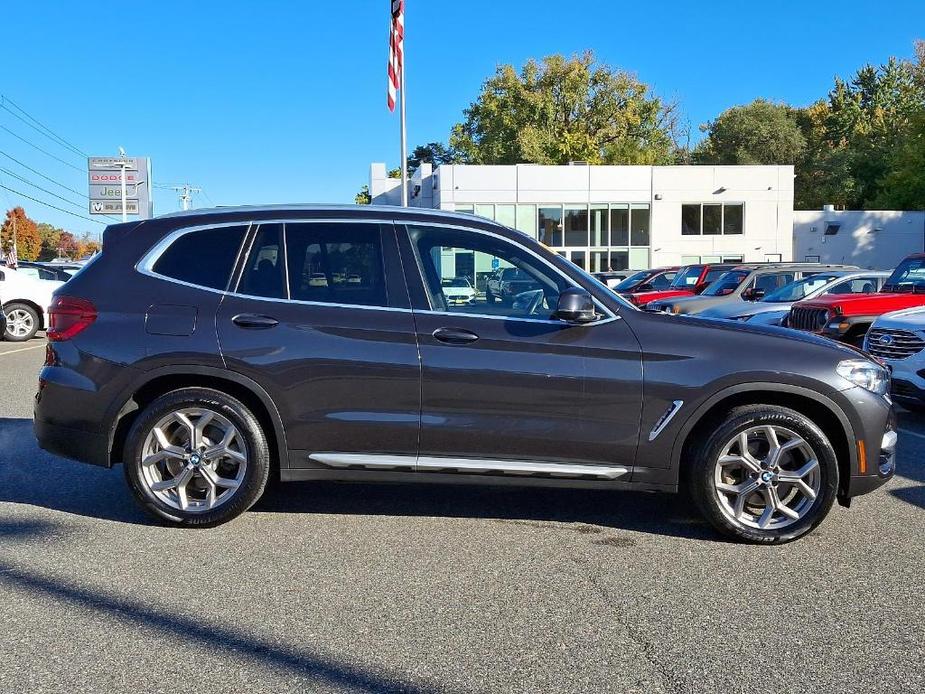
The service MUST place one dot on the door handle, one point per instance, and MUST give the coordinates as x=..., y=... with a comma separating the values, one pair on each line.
x=454, y=336
x=252, y=321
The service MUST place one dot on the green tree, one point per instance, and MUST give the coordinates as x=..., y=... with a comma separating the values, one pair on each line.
x=434, y=153
x=564, y=109
x=51, y=236
x=761, y=132
x=28, y=241
x=363, y=197
x=903, y=186
x=856, y=135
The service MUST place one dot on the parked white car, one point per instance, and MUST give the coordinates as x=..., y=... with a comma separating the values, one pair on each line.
x=457, y=290
x=25, y=302
x=898, y=339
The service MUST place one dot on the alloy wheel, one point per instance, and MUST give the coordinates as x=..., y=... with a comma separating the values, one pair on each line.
x=767, y=477
x=193, y=460
x=19, y=323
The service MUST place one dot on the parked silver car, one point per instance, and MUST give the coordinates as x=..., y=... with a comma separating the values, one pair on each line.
x=898, y=340
x=773, y=308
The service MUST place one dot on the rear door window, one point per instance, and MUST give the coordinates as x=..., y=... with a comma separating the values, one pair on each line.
x=204, y=258
x=264, y=272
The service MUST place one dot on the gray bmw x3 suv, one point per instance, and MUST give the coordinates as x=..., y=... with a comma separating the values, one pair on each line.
x=211, y=351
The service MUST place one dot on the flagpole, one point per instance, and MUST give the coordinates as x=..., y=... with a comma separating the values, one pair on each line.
x=404, y=149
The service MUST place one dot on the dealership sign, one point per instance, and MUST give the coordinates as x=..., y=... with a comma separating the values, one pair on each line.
x=105, y=177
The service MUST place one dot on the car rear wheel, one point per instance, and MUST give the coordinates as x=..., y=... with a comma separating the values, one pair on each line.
x=765, y=474
x=196, y=457
x=22, y=322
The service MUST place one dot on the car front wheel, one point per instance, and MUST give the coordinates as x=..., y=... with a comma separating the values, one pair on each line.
x=766, y=474
x=196, y=457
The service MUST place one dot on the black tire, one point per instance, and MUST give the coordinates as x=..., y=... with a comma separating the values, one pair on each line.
x=256, y=449
x=10, y=310
x=705, y=459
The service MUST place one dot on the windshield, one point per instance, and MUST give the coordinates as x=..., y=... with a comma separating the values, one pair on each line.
x=909, y=276
x=726, y=284
x=798, y=290
x=687, y=277
x=456, y=282
x=632, y=281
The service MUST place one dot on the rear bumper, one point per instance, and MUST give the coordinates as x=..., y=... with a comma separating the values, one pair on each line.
x=77, y=444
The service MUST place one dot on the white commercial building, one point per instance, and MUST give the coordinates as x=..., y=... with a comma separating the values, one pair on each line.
x=876, y=239
x=619, y=217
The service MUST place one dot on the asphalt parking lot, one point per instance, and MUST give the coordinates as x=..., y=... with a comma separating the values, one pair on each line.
x=374, y=588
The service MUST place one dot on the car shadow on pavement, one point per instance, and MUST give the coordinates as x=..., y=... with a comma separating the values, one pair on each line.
x=29, y=475
x=661, y=514
x=298, y=662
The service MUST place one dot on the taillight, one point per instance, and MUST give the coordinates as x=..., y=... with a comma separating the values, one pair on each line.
x=68, y=316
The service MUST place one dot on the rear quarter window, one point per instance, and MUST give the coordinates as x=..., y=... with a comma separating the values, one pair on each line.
x=204, y=258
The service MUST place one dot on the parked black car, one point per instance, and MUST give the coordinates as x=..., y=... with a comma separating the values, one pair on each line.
x=222, y=361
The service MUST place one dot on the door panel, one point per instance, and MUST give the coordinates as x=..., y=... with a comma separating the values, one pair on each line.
x=503, y=379
x=344, y=377
x=529, y=390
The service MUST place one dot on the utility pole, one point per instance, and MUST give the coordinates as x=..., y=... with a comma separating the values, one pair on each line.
x=186, y=194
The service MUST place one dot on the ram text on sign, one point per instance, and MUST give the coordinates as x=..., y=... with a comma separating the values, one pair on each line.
x=113, y=206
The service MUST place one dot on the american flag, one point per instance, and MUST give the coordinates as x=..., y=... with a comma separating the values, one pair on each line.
x=11, y=260
x=396, y=49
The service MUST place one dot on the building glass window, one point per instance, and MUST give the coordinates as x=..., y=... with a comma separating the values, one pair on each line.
x=690, y=220
x=468, y=209
x=712, y=220
x=619, y=225
x=733, y=219
x=526, y=219
x=639, y=225
x=619, y=260
x=639, y=258
x=576, y=225
x=578, y=257
x=599, y=233
x=690, y=259
x=504, y=214
x=487, y=211
x=549, y=223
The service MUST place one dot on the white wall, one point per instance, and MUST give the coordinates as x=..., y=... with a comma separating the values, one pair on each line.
x=766, y=191
x=382, y=189
x=876, y=239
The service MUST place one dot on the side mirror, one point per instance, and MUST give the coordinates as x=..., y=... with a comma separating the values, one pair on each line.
x=575, y=306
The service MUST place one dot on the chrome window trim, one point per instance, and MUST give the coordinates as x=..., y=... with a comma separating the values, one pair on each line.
x=149, y=259
x=611, y=316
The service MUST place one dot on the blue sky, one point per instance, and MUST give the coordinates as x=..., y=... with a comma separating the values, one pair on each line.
x=273, y=101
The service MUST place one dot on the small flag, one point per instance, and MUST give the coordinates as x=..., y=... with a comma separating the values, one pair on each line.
x=396, y=49
x=11, y=260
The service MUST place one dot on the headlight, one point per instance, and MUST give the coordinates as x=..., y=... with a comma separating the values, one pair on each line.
x=866, y=374
x=675, y=309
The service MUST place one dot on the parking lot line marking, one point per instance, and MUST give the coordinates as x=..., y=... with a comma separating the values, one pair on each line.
x=911, y=433
x=21, y=349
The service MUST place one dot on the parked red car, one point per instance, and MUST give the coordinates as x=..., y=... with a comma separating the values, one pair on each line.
x=657, y=278
x=846, y=317
x=689, y=281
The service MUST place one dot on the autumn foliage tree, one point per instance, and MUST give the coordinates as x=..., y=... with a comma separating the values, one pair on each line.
x=28, y=240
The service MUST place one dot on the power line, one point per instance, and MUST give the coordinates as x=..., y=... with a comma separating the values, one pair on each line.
x=41, y=129
x=37, y=187
x=45, y=152
x=48, y=204
x=39, y=173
